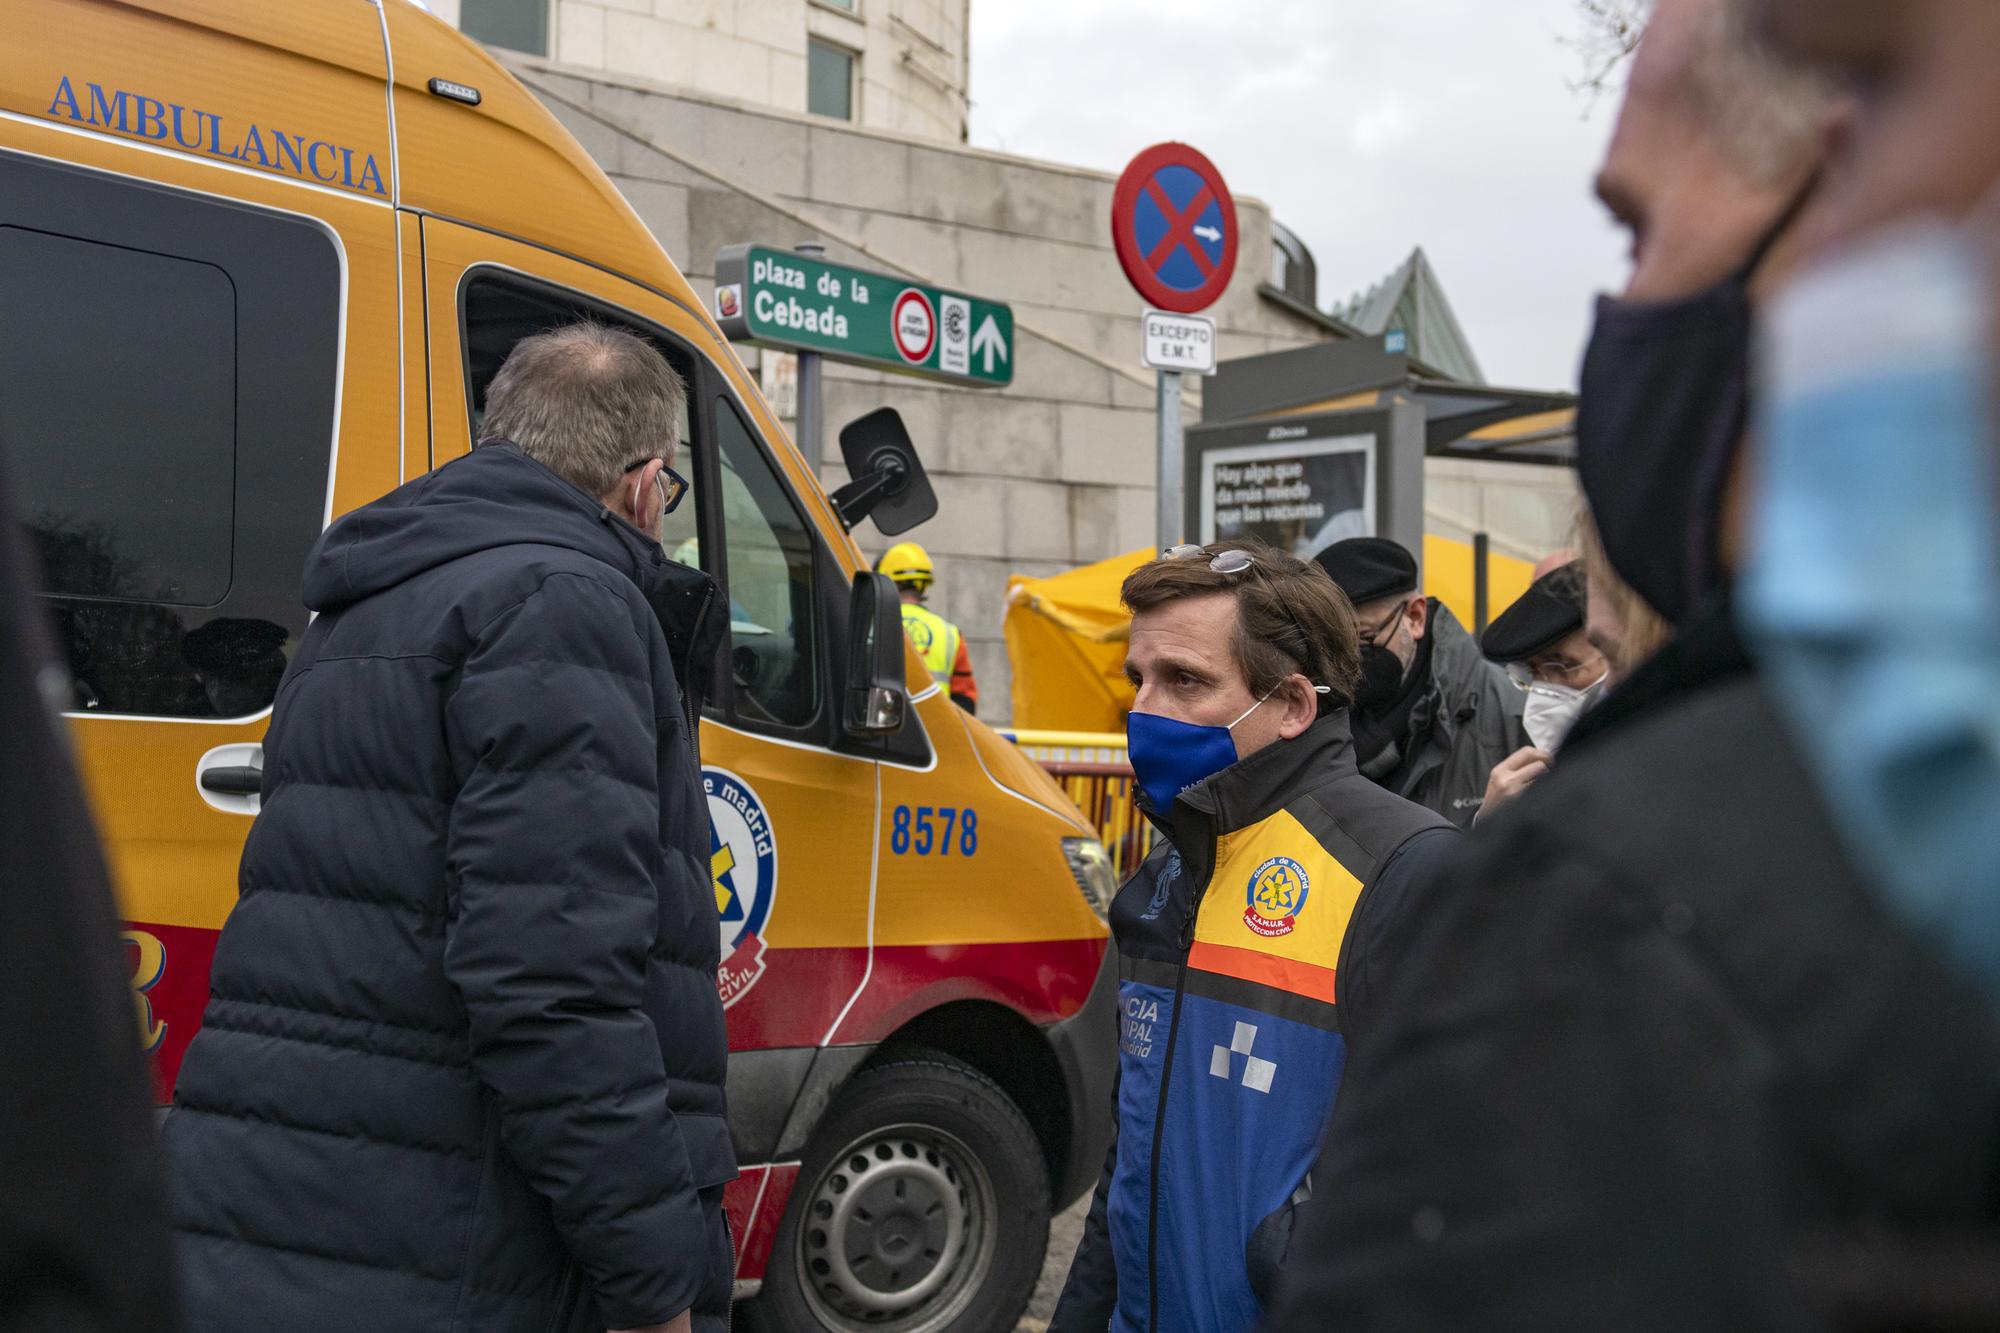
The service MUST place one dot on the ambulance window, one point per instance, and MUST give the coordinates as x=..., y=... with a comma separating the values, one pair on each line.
x=499, y=312
x=773, y=628
x=117, y=514
x=167, y=388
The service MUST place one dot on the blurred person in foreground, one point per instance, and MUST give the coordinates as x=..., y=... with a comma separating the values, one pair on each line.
x=84, y=1246
x=1431, y=717
x=1541, y=643
x=462, y=1063
x=1657, y=1031
x=1280, y=870
x=1873, y=572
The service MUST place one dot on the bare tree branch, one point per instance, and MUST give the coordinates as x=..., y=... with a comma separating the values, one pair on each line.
x=1610, y=31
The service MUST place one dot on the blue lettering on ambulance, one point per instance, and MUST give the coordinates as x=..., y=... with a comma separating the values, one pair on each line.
x=274, y=149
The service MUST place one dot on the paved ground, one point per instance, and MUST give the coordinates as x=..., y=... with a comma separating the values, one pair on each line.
x=1063, y=1234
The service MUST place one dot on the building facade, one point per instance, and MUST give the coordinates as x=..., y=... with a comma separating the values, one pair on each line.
x=898, y=65
x=1053, y=471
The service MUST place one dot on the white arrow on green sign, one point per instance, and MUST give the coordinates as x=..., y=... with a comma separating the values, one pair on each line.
x=780, y=298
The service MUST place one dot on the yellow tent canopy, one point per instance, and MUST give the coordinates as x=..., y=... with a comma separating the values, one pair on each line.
x=1066, y=634
x=1066, y=642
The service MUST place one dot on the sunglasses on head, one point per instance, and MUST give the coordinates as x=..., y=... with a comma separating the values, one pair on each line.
x=1236, y=560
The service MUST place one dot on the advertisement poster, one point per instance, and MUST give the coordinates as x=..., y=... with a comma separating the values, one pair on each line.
x=1302, y=495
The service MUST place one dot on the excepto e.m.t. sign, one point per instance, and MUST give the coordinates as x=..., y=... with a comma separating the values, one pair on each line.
x=780, y=298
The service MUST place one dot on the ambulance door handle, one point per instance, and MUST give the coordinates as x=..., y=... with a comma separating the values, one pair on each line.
x=230, y=778
x=243, y=781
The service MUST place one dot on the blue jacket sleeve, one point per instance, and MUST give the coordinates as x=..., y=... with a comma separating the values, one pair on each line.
x=1090, y=1292
x=553, y=854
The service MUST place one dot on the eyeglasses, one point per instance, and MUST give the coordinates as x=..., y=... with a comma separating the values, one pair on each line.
x=1524, y=674
x=673, y=486
x=1374, y=636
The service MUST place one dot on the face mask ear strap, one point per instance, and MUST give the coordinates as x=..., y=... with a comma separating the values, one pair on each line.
x=1316, y=689
x=1762, y=249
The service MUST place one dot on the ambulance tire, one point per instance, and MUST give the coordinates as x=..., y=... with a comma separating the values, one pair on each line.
x=941, y=1193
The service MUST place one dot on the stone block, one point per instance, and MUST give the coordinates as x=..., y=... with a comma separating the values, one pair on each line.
x=1057, y=205
x=580, y=35
x=931, y=252
x=971, y=518
x=995, y=675
x=664, y=209
x=646, y=46
x=776, y=24
x=1137, y=523
x=731, y=66
x=1107, y=446
x=956, y=187
x=765, y=152
x=632, y=6
x=1140, y=391
x=788, y=82
x=1037, y=520
x=998, y=435
x=1048, y=273
x=858, y=170
x=601, y=141
x=971, y=594
x=1093, y=521
x=1043, y=370
x=717, y=15
x=718, y=217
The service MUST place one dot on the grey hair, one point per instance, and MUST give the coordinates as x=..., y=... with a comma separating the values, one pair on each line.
x=586, y=401
x=1766, y=111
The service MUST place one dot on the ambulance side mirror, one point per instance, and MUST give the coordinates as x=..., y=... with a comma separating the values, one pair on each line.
x=889, y=484
x=877, y=688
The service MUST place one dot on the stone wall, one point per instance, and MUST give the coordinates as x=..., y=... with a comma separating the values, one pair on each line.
x=910, y=56
x=1054, y=471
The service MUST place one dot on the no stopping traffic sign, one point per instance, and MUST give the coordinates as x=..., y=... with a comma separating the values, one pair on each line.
x=1174, y=227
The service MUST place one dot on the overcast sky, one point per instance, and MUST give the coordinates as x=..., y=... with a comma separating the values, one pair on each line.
x=1369, y=127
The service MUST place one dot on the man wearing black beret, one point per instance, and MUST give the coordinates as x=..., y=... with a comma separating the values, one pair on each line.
x=1431, y=716
x=1542, y=644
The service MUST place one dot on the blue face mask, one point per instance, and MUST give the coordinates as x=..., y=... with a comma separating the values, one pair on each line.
x=1169, y=756
x=1869, y=592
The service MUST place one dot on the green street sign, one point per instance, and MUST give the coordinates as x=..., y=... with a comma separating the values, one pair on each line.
x=780, y=298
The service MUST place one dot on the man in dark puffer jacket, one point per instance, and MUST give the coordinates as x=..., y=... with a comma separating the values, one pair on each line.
x=462, y=1066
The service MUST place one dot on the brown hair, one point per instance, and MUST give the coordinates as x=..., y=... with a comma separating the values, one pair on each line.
x=1290, y=617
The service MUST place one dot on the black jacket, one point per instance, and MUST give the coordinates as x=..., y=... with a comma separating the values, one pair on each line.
x=1465, y=718
x=1277, y=876
x=462, y=1064
x=1657, y=1053
x=84, y=1246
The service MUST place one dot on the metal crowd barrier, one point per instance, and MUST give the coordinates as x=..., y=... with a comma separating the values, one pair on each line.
x=1091, y=767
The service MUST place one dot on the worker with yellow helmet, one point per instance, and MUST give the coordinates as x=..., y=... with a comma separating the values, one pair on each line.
x=936, y=639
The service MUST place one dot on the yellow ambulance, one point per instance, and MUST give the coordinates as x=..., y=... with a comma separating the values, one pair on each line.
x=260, y=261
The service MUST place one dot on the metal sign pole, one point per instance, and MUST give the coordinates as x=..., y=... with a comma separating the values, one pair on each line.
x=809, y=392
x=809, y=410
x=1169, y=403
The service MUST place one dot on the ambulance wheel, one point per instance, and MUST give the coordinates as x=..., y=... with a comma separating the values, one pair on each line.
x=922, y=1206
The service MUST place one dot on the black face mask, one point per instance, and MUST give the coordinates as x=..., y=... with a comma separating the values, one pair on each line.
x=1381, y=682
x=1664, y=397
